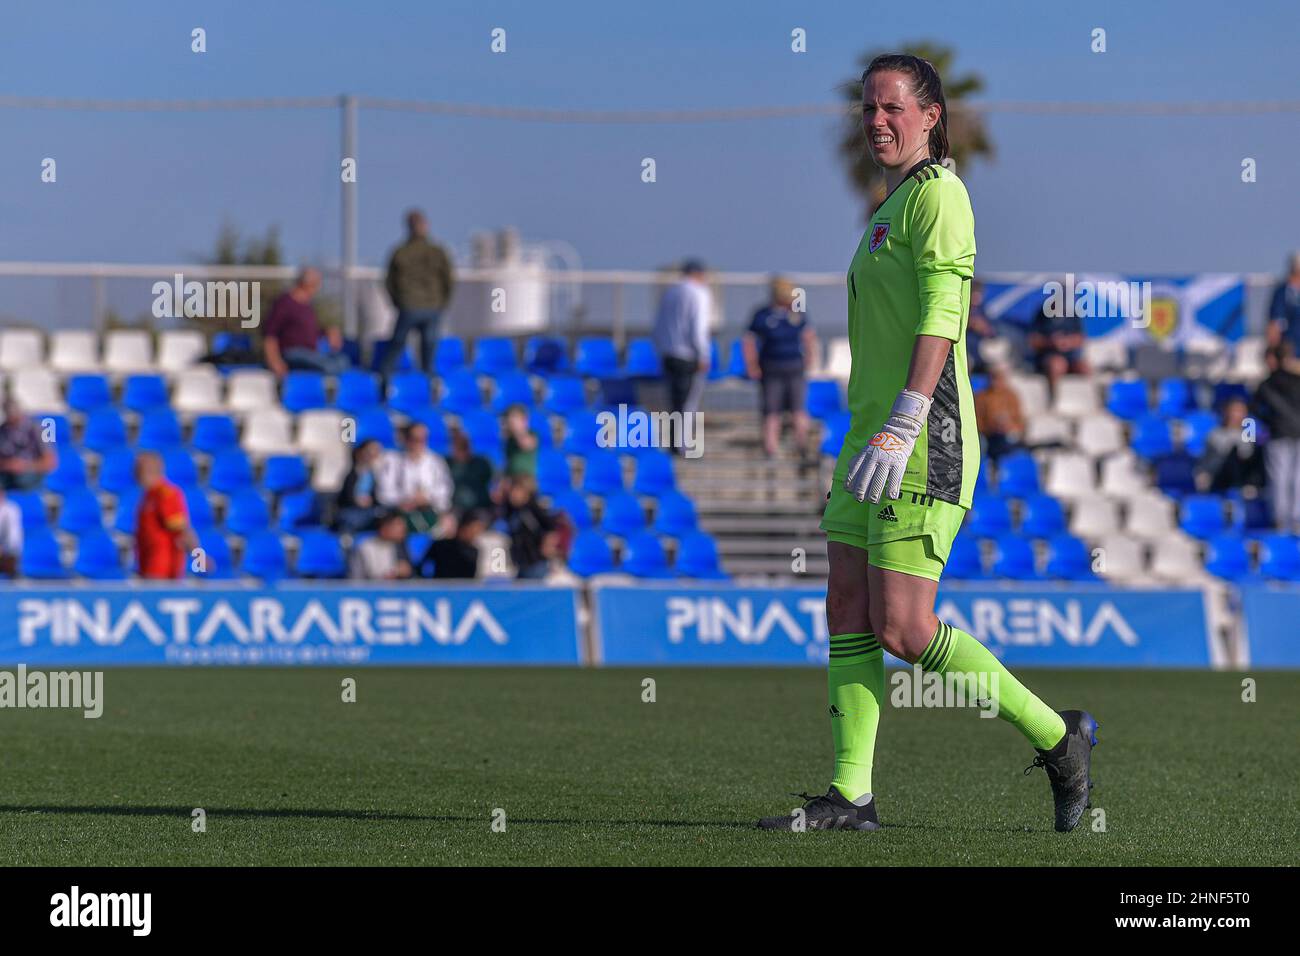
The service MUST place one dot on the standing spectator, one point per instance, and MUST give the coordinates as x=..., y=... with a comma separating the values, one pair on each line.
x=457, y=556
x=779, y=348
x=681, y=334
x=998, y=415
x=25, y=458
x=420, y=282
x=1278, y=401
x=163, y=537
x=978, y=328
x=1284, y=308
x=1230, y=460
x=1057, y=344
x=382, y=556
x=356, y=508
x=291, y=334
x=533, y=530
x=521, y=443
x=415, y=480
x=471, y=475
x=11, y=535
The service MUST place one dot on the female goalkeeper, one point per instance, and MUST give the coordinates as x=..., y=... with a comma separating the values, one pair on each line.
x=904, y=477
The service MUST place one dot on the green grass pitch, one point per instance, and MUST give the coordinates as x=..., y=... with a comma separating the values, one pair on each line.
x=589, y=774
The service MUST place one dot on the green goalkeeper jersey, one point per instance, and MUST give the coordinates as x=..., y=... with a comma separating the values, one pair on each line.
x=911, y=276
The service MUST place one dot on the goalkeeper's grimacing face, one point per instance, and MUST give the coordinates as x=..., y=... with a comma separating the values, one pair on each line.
x=897, y=129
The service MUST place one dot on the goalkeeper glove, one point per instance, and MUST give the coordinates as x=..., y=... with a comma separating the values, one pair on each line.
x=884, y=460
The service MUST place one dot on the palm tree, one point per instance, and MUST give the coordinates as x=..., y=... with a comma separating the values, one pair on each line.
x=967, y=136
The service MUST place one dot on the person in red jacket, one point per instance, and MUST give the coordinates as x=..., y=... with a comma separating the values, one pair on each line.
x=163, y=537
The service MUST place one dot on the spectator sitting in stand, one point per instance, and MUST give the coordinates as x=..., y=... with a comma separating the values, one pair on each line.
x=457, y=556
x=25, y=456
x=1278, y=402
x=471, y=475
x=291, y=333
x=1232, y=458
x=11, y=535
x=1056, y=343
x=1284, y=308
x=382, y=556
x=521, y=443
x=534, y=537
x=356, y=507
x=415, y=481
x=998, y=415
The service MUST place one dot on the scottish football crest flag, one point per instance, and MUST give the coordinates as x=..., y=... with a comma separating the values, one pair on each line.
x=1133, y=309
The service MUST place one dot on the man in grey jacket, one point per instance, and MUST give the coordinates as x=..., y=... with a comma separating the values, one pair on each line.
x=420, y=282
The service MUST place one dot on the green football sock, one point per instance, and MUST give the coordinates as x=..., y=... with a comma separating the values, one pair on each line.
x=856, y=681
x=953, y=651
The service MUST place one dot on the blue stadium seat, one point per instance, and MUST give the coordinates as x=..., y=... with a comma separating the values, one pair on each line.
x=411, y=393
x=574, y=504
x=978, y=383
x=125, y=508
x=824, y=399
x=590, y=555
x=736, y=365
x=1175, y=473
x=218, y=563
x=358, y=391
x=983, y=483
x=1174, y=398
x=483, y=429
x=1043, y=517
x=264, y=556
x=1152, y=437
x=41, y=558
x=1018, y=475
x=247, y=513
x=596, y=358
x=104, y=430
x=1251, y=516
x=117, y=471
x=603, y=473
x=282, y=473
x=675, y=515
x=179, y=467
x=80, y=511
x=1198, y=425
x=964, y=562
x=439, y=434
x=160, y=429
x=451, y=355
x=1015, y=559
x=580, y=432
x=142, y=393
x=697, y=557
x=1127, y=399
x=546, y=355
x=32, y=507
x=98, y=557
x=86, y=393
x=553, y=474
x=512, y=388
x=299, y=510
x=1279, y=557
x=374, y=423
x=494, y=355
x=303, y=390
x=460, y=392
x=1226, y=557
x=380, y=349
x=642, y=360
x=623, y=515
x=716, y=370
x=1223, y=391
x=990, y=518
x=320, y=555
x=198, y=507
x=837, y=429
x=1202, y=516
x=62, y=427
x=1069, y=559
x=231, y=472
x=565, y=395
x=643, y=557
x=654, y=473
x=214, y=433
x=68, y=474
x=540, y=423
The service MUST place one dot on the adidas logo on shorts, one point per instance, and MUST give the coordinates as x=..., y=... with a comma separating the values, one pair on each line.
x=887, y=514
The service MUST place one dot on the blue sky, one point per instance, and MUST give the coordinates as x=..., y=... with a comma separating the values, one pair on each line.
x=1151, y=195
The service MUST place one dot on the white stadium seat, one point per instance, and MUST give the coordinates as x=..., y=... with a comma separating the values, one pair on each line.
x=1099, y=435
x=1070, y=475
x=21, y=348
x=250, y=390
x=330, y=470
x=1032, y=390
x=1046, y=429
x=198, y=391
x=1248, y=360
x=1177, y=559
x=1093, y=517
x=269, y=431
x=178, y=349
x=1107, y=354
x=839, y=360
x=320, y=431
x=37, y=390
x=1150, y=515
x=128, y=350
x=1076, y=396
x=1121, y=476
x=74, y=351
x=1122, y=559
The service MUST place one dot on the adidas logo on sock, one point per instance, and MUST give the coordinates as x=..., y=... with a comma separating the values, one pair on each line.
x=887, y=514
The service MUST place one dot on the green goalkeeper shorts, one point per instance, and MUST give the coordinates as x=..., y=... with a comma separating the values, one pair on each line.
x=912, y=534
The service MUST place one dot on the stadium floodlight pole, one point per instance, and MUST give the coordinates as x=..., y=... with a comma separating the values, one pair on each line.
x=349, y=185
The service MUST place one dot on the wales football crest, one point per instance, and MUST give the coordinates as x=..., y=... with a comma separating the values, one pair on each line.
x=878, y=233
